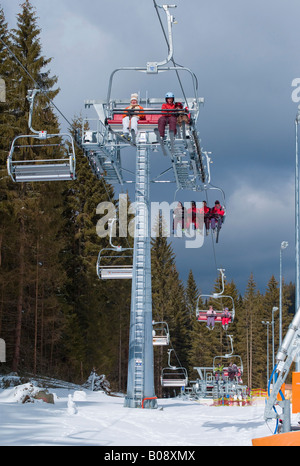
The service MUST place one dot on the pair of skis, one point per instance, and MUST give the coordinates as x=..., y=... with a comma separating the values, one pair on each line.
x=120, y=137
x=162, y=143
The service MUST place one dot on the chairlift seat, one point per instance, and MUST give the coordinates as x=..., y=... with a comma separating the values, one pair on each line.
x=149, y=123
x=174, y=382
x=160, y=334
x=42, y=170
x=118, y=272
x=161, y=340
x=176, y=377
x=226, y=373
x=38, y=169
x=202, y=316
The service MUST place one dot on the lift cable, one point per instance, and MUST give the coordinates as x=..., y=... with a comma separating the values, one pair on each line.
x=45, y=93
x=181, y=86
x=34, y=81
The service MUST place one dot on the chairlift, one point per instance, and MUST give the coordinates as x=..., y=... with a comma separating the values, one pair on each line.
x=234, y=357
x=189, y=164
x=201, y=314
x=173, y=376
x=160, y=334
x=60, y=167
x=205, y=222
x=229, y=356
x=109, y=263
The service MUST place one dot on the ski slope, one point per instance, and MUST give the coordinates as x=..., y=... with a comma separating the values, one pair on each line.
x=86, y=418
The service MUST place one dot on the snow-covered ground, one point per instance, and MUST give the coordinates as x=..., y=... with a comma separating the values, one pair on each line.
x=86, y=418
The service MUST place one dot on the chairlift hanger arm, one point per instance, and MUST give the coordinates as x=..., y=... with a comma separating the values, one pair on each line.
x=31, y=97
x=169, y=40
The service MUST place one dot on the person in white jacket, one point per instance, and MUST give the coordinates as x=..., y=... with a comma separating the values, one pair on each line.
x=131, y=117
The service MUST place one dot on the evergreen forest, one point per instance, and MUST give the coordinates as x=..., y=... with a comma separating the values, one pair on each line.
x=56, y=317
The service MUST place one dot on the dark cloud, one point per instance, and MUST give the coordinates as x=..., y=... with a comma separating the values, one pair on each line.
x=245, y=55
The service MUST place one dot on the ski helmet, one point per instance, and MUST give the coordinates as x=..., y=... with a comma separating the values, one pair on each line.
x=169, y=95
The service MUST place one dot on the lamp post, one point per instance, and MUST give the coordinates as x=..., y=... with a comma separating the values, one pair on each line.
x=273, y=339
x=297, y=294
x=268, y=373
x=283, y=245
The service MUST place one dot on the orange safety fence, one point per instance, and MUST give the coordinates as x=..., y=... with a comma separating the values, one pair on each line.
x=289, y=439
x=259, y=392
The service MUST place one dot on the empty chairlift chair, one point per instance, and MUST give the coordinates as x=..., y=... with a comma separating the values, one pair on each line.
x=115, y=262
x=173, y=376
x=160, y=333
x=41, y=156
x=110, y=263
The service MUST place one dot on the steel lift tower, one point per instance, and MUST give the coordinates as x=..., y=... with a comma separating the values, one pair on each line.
x=103, y=145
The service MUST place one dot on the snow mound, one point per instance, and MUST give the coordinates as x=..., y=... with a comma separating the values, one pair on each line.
x=79, y=395
x=19, y=394
x=26, y=393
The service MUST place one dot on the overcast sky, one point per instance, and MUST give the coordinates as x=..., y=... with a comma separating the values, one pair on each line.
x=245, y=55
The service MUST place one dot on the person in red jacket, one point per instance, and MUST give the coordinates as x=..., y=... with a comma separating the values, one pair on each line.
x=194, y=216
x=216, y=215
x=205, y=210
x=168, y=117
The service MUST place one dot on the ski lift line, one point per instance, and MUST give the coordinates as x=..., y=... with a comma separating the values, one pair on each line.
x=35, y=82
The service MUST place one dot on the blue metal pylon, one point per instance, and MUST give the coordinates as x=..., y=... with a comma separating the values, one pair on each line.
x=140, y=382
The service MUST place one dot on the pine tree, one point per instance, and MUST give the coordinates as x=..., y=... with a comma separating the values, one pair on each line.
x=30, y=212
x=192, y=295
x=7, y=67
x=246, y=330
x=168, y=302
x=99, y=310
x=256, y=316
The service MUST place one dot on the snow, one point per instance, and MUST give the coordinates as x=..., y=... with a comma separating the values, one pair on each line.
x=85, y=418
